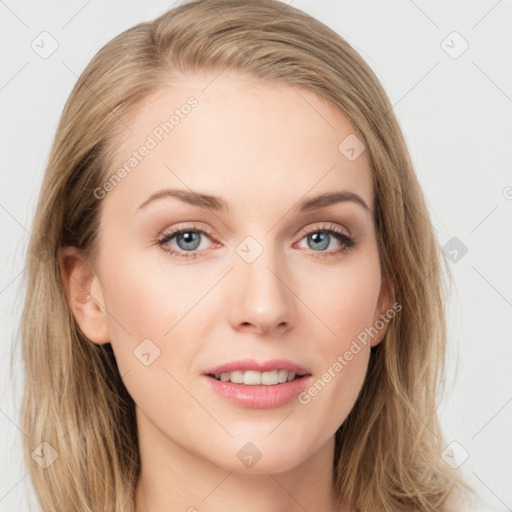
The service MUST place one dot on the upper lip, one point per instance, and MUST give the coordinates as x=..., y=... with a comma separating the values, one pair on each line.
x=264, y=366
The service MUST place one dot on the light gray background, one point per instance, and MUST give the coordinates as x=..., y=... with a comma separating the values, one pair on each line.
x=456, y=117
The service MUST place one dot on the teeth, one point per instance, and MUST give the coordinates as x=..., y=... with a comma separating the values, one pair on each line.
x=252, y=378
x=269, y=378
x=236, y=377
x=255, y=378
x=282, y=376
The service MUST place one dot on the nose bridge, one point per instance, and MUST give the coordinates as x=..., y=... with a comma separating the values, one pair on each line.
x=262, y=297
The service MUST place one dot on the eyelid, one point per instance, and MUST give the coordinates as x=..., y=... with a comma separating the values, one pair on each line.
x=192, y=226
x=324, y=226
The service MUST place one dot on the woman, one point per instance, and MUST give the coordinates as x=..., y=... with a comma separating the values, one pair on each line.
x=234, y=293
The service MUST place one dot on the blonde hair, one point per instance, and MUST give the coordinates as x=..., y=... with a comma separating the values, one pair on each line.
x=388, y=450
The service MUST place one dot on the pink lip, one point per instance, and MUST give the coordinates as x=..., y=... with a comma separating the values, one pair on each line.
x=252, y=364
x=259, y=397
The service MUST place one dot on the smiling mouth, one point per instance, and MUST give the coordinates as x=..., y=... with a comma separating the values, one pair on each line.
x=255, y=378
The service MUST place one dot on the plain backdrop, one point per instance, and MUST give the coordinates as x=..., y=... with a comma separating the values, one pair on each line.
x=447, y=68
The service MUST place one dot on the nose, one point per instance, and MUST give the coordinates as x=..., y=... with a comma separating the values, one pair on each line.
x=262, y=300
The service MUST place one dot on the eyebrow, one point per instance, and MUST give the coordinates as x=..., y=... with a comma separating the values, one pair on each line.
x=216, y=203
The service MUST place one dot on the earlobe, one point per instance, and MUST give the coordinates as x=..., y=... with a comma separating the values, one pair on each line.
x=84, y=294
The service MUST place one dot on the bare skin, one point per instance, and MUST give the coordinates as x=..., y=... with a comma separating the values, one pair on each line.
x=262, y=147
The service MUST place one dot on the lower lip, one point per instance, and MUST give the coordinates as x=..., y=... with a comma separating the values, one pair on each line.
x=259, y=397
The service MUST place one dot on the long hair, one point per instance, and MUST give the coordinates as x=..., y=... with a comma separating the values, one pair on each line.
x=76, y=410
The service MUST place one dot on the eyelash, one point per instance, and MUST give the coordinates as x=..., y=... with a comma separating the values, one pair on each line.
x=330, y=229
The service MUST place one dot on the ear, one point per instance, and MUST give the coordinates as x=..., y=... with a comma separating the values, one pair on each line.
x=384, y=311
x=84, y=294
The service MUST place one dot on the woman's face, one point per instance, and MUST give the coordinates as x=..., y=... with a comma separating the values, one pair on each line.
x=256, y=282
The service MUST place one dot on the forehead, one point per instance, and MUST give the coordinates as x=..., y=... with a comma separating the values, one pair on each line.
x=242, y=138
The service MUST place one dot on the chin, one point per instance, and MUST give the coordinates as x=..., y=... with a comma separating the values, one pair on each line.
x=261, y=457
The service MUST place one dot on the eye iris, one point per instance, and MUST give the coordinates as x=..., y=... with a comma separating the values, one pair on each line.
x=315, y=237
x=188, y=238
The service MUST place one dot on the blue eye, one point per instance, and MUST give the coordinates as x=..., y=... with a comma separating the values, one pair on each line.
x=187, y=241
x=319, y=240
x=190, y=240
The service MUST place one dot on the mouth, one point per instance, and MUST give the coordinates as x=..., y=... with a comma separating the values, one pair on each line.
x=258, y=385
x=257, y=378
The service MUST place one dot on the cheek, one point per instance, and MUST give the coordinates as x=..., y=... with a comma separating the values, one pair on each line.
x=153, y=307
x=146, y=318
x=345, y=299
x=348, y=310
x=147, y=298
x=346, y=302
